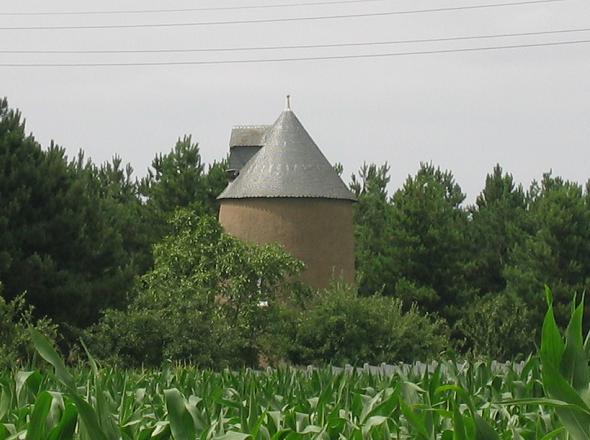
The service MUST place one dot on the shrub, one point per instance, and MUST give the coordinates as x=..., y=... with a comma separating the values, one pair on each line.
x=341, y=327
x=16, y=317
x=498, y=325
x=410, y=293
x=202, y=301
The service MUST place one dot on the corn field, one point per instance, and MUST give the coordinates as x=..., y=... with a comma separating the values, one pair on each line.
x=184, y=403
x=545, y=397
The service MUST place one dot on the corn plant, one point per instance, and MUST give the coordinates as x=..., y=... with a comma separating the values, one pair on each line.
x=449, y=400
x=565, y=371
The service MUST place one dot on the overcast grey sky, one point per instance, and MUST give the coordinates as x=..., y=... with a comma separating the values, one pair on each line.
x=527, y=109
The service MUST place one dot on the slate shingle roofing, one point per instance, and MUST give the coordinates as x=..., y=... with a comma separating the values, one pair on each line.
x=289, y=164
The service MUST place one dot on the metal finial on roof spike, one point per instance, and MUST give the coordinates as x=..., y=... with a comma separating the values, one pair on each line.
x=288, y=102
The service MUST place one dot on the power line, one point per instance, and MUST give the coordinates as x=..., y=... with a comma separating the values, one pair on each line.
x=279, y=60
x=214, y=8
x=277, y=20
x=300, y=46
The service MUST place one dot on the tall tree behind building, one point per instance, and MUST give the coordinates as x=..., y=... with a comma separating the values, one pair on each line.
x=74, y=235
x=498, y=223
x=372, y=218
x=56, y=241
x=556, y=249
x=429, y=242
x=179, y=179
x=413, y=245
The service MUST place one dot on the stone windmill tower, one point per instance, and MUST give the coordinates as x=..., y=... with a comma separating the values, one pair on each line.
x=285, y=191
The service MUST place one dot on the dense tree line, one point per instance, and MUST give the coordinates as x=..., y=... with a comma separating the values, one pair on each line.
x=74, y=235
x=104, y=254
x=426, y=246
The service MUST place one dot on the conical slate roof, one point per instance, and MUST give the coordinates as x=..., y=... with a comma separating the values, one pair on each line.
x=289, y=164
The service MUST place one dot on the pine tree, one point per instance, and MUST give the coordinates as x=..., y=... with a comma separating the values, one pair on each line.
x=556, y=250
x=372, y=228
x=179, y=179
x=428, y=255
x=498, y=222
x=57, y=243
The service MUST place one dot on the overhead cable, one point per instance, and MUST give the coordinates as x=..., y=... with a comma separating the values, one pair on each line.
x=277, y=20
x=202, y=9
x=288, y=47
x=291, y=59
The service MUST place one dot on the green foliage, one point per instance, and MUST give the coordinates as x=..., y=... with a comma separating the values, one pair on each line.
x=424, y=247
x=204, y=301
x=565, y=371
x=179, y=179
x=16, y=317
x=447, y=401
x=424, y=296
x=556, y=250
x=115, y=185
x=340, y=327
x=57, y=241
x=498, y=325
x=498, y=222
x=372, y=228
x=566, y=376
x=412, y=246
x=429, y=241
x=451, y=401
x=74, y=235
